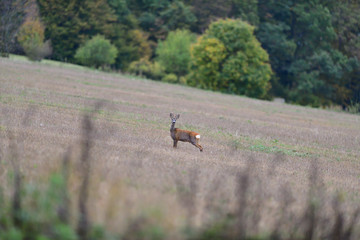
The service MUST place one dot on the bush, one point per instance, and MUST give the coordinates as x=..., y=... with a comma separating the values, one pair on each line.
x=145, y=67
x=174, y=52
x=229, y=58
x=96, y=52
x=31, y=38
x=170, y=78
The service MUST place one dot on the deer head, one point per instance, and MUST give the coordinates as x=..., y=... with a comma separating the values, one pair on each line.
x=174, y=117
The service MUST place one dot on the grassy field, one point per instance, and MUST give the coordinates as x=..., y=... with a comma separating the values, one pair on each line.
x=135, y=170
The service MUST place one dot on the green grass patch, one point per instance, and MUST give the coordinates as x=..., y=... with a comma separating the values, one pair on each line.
x=276, y=149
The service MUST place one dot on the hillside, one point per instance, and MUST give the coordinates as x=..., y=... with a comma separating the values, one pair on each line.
x=134, y=164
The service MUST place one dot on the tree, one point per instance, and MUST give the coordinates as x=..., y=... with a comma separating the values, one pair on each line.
x=229, y=58
x=346, y=22
x=158, y=17
x=301, y=40
x=11, y=17
x=31, y=38
x=96, y=52
x=70, y=22
x=122, y=12
x=132, y=45
x=174, y=52
x=206, y=58
x=207, y=11
x=177, y=16
x=246, y=10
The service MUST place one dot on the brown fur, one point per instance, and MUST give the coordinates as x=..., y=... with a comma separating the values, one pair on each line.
x=183, y=135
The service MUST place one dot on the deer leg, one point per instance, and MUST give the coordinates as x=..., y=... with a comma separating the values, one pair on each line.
x=197, y=145
x=175, y=143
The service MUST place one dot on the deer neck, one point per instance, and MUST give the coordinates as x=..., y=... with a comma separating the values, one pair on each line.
x=172, y=128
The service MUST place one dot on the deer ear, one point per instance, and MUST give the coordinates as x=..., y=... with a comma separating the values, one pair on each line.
x=171, y=115
x=177, y=116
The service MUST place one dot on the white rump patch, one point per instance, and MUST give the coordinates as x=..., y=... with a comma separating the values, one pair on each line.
x=197, y=136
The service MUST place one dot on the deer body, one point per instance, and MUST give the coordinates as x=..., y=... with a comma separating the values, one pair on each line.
x=183, y=135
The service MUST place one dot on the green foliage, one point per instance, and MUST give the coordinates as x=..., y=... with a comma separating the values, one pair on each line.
x=31, y=38
x=207, y=11
x=300, y=40
x=158, y=17
x=156, y=70
x=132, y=46
x=295, y=34
x=64, y=232
x=170, y=78
x=246, y=10
x=230, y=59
x=31, y=31
x=346, y=21
x=97, y=52
x=144, y=67
x=313, y=28
x=70, y=23
x=207, y=56
x=12, y=234
x=123, y=12
x=37, y=216
x=177, y=16
x=174, y=52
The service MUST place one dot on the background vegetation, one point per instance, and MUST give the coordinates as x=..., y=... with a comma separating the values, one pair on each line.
x=228, y=58
x=313, y=46
x=88, y=155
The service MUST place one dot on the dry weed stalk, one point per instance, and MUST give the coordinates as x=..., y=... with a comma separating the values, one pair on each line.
x=85, y=161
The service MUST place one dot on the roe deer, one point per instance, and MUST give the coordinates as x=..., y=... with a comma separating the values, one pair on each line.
x=183, y=135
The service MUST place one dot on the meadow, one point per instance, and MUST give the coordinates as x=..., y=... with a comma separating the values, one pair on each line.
x=268, y=166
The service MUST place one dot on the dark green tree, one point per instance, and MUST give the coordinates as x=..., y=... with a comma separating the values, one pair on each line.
x=132, y=45
x=158, y=17
x=300, y=37
x=131, y=42
x=70, y=23
x=247, y=10
x=177, y=16
x=207, y=11
x=346, y=22
x=123, y=13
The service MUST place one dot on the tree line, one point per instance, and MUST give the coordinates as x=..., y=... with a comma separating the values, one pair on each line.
x=306, y=51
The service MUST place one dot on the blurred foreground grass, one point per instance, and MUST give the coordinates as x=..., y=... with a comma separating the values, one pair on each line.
x=50, y=209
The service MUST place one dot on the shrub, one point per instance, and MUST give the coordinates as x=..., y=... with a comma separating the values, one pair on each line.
x=170, y=78
x=144, y=67
x=140, y=67
x=183, y=80
x=229, y=58
x=174, y=52
x=96, y=52
x=31, y=38
x=156, y=71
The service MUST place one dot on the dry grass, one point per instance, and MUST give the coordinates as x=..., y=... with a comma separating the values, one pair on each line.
x=136, y=172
